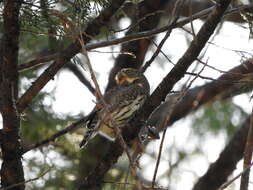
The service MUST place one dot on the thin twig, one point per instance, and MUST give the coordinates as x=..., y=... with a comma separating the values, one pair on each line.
x=175, y=14
x=136, y=24
x=132, y=37
x=225, y=185
x=147, y=34
x=247, y=156
x=166, y=121
x=77, y=72
x=158, y=158
x=125, y=39
x=192, y=27
x=100, y=98
x=52, y=138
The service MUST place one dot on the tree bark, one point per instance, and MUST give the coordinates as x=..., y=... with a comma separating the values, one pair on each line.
x=12, y=169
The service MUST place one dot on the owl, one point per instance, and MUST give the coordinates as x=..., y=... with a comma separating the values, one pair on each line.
x=122, y=102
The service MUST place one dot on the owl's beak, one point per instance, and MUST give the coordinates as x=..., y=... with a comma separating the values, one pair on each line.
x=122, y=78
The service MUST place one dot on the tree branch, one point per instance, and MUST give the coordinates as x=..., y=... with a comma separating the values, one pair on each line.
x=92, y=29
x=131, y=37
x=231, y=83
x=52, y=138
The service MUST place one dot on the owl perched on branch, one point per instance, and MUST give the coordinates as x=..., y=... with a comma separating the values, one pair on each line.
x=122, y=102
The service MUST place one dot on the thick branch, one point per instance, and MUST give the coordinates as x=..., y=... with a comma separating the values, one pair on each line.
x=228, y=85
x=187, y=59
x=92, y=30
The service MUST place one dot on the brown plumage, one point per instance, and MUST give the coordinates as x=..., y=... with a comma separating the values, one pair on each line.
x=122, y=103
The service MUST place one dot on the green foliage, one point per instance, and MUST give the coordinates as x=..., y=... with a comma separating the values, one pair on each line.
x=218, y=117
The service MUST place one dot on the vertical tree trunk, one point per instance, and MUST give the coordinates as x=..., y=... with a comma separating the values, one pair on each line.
x=12, y=169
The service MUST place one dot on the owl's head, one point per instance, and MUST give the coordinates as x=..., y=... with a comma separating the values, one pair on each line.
x=128, y=76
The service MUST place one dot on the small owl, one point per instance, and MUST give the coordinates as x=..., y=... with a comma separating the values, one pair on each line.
x=122, y=103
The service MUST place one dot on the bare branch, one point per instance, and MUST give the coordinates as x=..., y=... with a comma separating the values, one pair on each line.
x=226, y=86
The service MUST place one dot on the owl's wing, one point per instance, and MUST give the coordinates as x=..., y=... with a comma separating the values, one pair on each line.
x=122, y=106
x=122, y=103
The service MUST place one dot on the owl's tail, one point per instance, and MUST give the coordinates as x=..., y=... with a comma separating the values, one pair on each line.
x=88, y=135
x=91, y=129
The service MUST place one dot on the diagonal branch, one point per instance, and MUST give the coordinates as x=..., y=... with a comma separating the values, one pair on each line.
x=92, y=29
x=52, y=138
x=233, y=82
x=223, y=167
x=188, y=58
